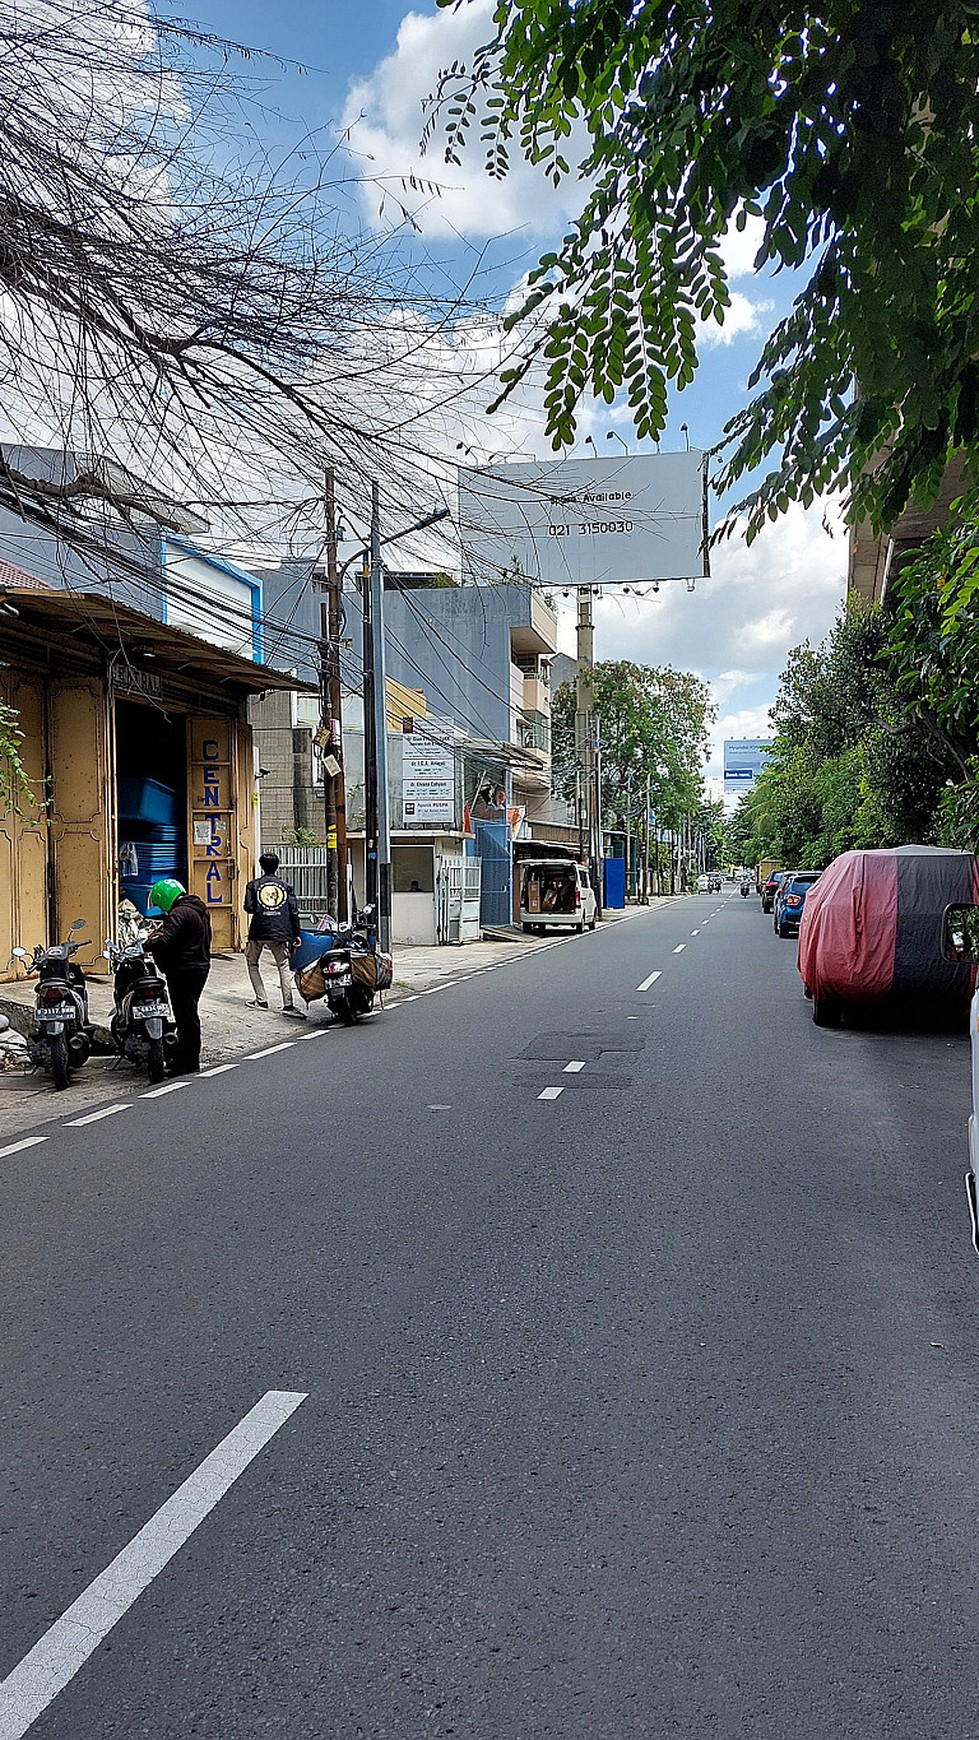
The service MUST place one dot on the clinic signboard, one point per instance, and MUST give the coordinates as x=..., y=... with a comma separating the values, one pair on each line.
x=586, y=522
x=744, y=759
x=428, y=778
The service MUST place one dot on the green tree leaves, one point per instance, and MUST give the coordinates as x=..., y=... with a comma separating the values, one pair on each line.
x=652, y=725
x=852, y=129
x=856, y=762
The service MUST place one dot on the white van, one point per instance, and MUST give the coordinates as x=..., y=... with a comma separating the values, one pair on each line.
x=556, y=893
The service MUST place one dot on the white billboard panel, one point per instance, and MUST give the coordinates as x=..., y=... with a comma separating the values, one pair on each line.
x=587, y=522
x=744, y=758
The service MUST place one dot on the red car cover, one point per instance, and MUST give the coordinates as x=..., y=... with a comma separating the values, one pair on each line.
x=872, y=925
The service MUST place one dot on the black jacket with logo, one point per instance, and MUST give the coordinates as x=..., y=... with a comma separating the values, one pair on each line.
x=184, y=940
x=274, y=911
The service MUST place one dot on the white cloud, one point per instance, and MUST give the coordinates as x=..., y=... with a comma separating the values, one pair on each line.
x=746, y=722
x=736, y=629
x=384, y=118
x=739, y=247
x=742, y=319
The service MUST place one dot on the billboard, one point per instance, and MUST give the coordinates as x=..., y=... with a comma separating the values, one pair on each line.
x=586, y=522
x=744, y=758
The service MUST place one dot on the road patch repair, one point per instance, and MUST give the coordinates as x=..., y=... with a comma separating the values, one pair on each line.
x=233, y=1030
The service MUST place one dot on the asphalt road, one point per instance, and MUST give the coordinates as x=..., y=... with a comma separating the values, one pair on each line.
x=647, y=1409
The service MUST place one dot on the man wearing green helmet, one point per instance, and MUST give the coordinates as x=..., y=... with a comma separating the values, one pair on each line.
x=181, y=946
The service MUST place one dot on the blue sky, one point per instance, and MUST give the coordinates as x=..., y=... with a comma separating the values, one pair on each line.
x=368, y=68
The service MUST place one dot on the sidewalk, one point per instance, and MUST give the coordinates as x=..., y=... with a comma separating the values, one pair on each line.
x=230, y=1026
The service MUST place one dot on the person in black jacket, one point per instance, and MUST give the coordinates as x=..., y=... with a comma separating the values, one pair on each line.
x=274, y=913
x=181, y=947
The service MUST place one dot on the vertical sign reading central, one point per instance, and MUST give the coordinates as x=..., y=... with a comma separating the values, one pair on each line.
x=211, y=844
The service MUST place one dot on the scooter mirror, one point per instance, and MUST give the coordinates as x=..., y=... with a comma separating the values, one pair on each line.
x=21, y=954
x=77, y=924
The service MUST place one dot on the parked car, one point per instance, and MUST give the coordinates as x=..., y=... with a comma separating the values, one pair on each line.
x=769, y=889
x=791, y=899
x=556, y=892
x=873, y=928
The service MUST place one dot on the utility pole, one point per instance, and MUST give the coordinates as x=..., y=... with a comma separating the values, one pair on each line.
x=648, y=873
x=380, y=745
x=628, y=837
x=370, y=758
x=334, y=789
x=584, y=730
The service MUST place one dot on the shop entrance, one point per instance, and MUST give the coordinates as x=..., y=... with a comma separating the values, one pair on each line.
x=151, y=797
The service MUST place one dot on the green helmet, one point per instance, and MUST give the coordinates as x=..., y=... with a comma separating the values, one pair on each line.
x=164, y=893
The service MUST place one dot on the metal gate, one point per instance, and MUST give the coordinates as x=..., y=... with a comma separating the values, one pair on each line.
x=459, y=881
x=496, y=896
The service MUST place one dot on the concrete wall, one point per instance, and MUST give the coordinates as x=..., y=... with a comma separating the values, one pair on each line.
x=454, y=643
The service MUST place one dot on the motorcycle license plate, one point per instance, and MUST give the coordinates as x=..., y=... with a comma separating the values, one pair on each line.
x=57, y=1012
x=340, y=981
x=144, y=1011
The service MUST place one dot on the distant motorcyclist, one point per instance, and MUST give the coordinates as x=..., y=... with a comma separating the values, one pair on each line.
x=181, y=946
x=745, y=887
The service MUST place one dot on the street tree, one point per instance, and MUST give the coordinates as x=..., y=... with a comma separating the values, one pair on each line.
x=848, y=133
x=853, y=763
x=932, y=650
x=652, y=724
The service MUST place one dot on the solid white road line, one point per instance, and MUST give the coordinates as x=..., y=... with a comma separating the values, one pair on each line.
x=57, y=1656
x=93, y=1117
x=171, y=1087
x=650, y=981
x=270, y=1050
x=575, y=1067
x=679, y=948
x=548, y=1094
x=219, y=1069
x=15, y=1147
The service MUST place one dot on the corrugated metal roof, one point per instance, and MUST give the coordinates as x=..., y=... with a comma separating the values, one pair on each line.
x=115, y=625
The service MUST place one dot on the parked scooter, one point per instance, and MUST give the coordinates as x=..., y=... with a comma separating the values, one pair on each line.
x=61, y=1038
x=351, y=972
x=142, y=1026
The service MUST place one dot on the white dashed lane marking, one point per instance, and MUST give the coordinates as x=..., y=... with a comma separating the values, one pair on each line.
x=679, y=948
x=574, y=1067
x=219, y=1069
x=270, y=1050
x=26, y=1142
x=170, y=1087
x=651, y=980
x=66, y=1646
x=551, y=1093
x=93, y=1118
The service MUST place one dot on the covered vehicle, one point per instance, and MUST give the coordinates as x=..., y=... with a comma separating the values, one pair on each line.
x=872, y=928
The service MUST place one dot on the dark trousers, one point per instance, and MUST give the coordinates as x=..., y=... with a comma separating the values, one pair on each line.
x=186, y=985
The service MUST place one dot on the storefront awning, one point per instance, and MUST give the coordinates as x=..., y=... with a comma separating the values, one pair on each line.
x=92, y=619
